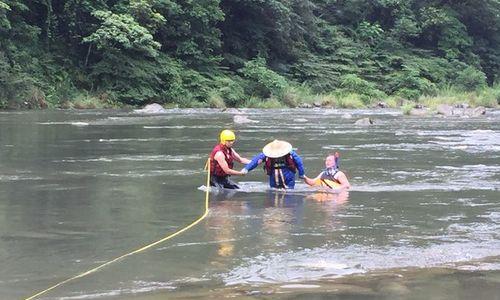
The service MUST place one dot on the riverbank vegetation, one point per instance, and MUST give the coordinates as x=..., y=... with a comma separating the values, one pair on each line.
x=249, y=53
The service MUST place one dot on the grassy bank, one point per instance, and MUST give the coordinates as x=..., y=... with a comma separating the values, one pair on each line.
x=302, y=96
x=274, y=91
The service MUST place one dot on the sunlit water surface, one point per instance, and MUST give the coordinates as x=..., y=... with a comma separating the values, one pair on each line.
x=78, y=188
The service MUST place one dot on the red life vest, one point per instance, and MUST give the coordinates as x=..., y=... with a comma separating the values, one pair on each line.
x=279, y=163
x=215, y=168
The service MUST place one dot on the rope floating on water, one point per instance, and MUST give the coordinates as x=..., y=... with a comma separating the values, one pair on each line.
x=205, y=213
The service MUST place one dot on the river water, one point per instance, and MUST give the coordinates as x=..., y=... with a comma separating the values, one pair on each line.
x=79, y=188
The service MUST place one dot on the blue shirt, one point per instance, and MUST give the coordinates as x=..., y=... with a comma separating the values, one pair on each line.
x=288, y=174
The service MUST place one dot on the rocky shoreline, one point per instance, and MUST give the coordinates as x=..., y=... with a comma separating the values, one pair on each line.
x=442, y=110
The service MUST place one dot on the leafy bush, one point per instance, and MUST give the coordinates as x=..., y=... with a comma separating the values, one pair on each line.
x=61, y=88
x=122, y=32
x=470, y=79
x=263, y=82
x=254, y=102
x=140, y=80
x=370, y=33
x=351, y=83
x=409, y=84
x=406, y=27
x=215, y=100
x=407, y=107
x=350, y=101
x=230, y=89
x=15, y=85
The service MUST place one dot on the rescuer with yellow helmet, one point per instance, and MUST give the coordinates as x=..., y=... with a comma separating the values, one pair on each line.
x=222, y=160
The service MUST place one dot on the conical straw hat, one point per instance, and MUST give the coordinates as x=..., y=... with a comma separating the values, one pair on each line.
x=277, y=149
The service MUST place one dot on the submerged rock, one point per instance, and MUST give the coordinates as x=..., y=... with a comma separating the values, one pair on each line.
x=347, y=116
x=242, y=119
x=393, y=288
x=153, y=108
x=364, y=122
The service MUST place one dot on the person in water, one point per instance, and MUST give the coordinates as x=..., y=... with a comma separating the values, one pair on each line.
x=222, y=160
x=331, y=177
x=281, y=164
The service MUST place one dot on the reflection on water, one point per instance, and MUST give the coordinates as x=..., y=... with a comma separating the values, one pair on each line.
x=80, y=188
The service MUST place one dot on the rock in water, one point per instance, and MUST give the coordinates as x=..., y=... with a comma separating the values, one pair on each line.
x=232, y=111
x=364, y=122
x=154, y=108
x=242, y=119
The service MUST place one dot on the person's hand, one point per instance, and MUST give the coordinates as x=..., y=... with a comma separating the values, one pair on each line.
x=244, y=171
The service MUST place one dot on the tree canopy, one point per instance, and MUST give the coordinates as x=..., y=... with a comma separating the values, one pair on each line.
x=187, y=52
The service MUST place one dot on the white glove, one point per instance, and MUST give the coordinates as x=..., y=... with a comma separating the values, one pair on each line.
x=244, y=171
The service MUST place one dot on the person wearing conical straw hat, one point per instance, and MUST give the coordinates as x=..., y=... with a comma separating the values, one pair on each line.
x=281, y=163
x=222, y=160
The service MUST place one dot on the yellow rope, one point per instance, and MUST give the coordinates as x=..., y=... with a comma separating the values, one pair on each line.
x=207, y=167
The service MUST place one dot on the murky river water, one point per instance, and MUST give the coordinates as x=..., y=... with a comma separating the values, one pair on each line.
x=80, y=188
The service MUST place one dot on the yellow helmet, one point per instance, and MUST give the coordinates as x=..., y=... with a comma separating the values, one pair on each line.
x=227, y=135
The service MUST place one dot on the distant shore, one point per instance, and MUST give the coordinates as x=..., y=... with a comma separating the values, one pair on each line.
x=299, y=98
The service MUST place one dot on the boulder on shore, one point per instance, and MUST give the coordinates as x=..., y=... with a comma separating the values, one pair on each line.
x=381, y=104
x=419, y=112
x=153, y=108
x=462, y=110
x=444, y=109
x=478, y=111
x=305, y=105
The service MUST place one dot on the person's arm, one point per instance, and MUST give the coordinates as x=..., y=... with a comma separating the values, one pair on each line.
x=312, y=181
x=299, y=164
x=344, y=183
x=219, y=157
x=240, y=159
x=256, y=160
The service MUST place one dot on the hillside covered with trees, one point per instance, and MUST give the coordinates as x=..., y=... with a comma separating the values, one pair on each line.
x=256, y=53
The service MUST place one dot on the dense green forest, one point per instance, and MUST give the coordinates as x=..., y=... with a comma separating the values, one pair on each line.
x=255, y=53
